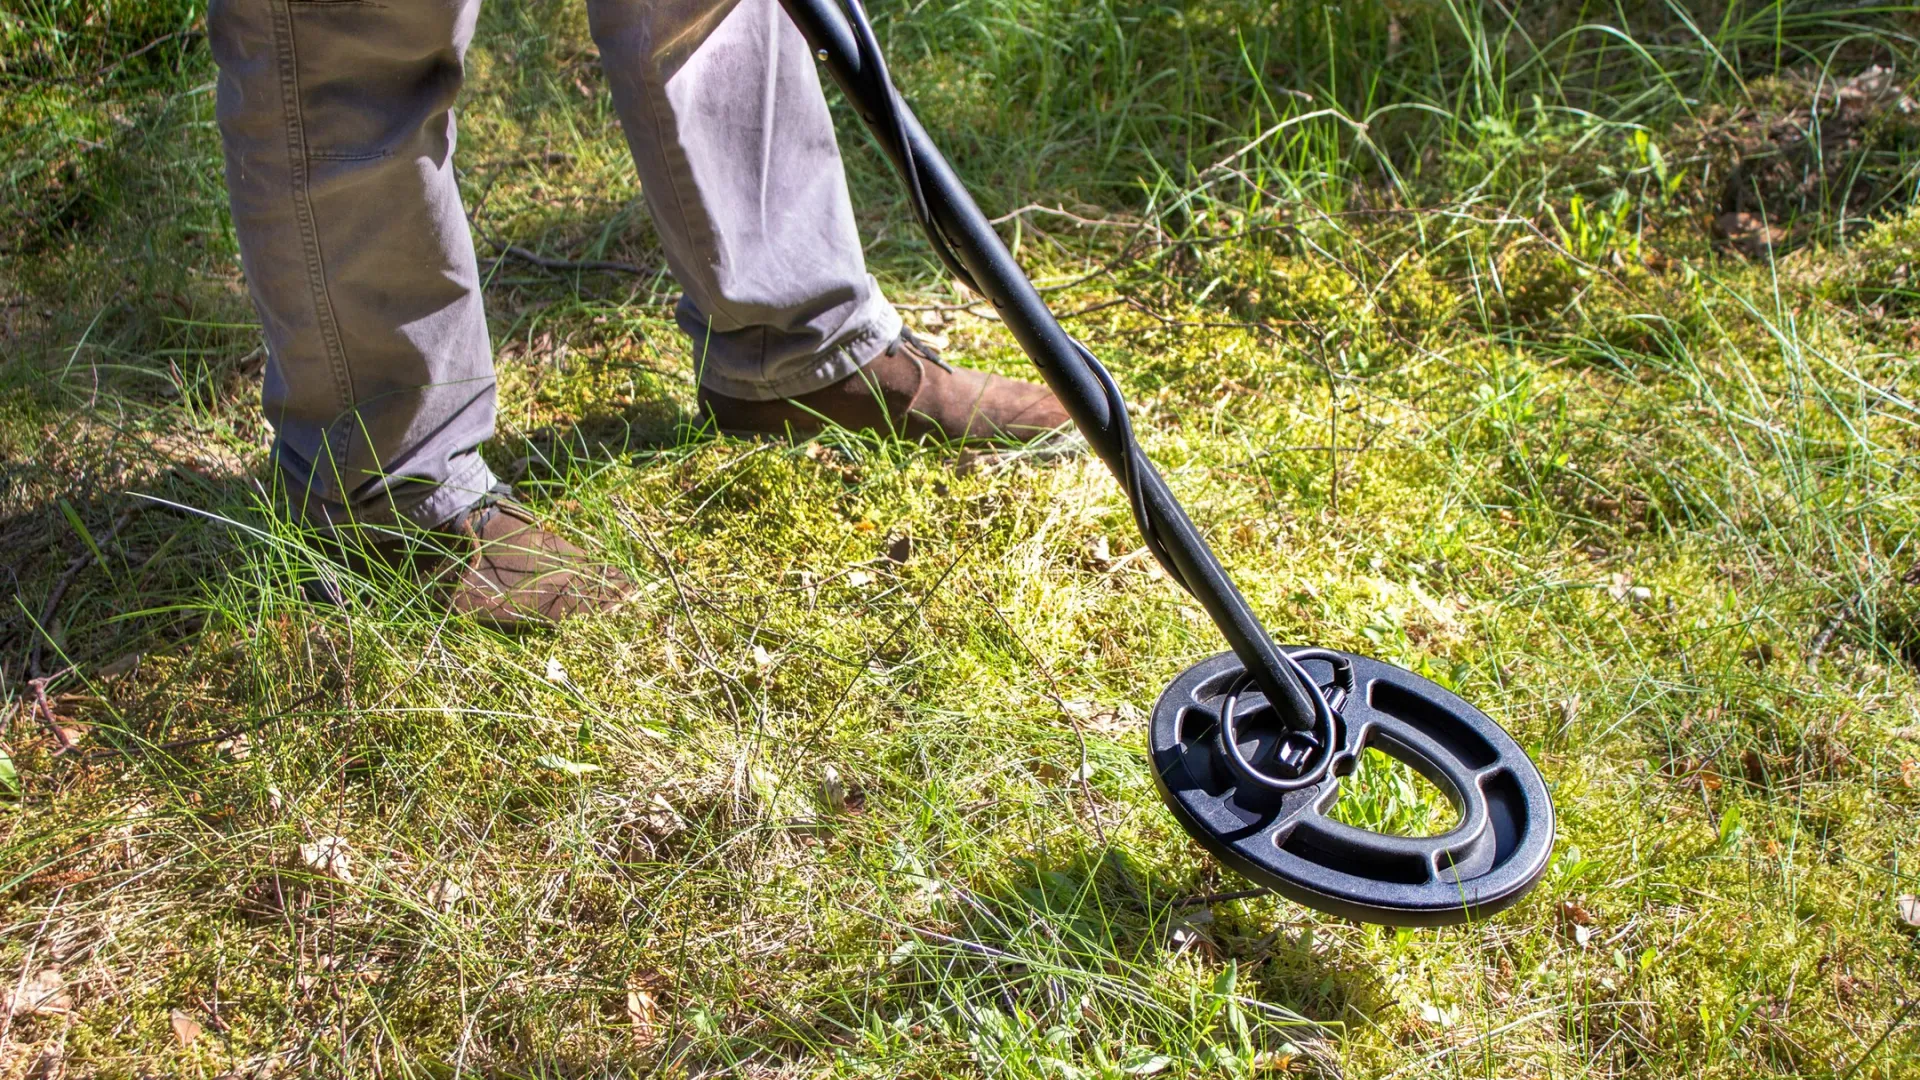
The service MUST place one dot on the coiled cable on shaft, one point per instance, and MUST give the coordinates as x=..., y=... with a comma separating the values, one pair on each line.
x=1289, y=688
x=1132, y=464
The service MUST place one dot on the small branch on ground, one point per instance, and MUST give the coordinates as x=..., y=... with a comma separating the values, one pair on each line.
x=1825, y=637
x=1208, y=899
x=224, y=733
x=1849, y=612
x=63, y=743
x=605, y=266
x=67, y=577
x=1055, y=211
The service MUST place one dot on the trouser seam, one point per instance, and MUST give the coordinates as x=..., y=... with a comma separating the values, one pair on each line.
x=297, y=161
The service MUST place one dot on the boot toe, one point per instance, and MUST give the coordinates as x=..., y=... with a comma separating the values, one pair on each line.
x=974, y=406
x=907, y=390
x=1022, y=411
x=521, y=575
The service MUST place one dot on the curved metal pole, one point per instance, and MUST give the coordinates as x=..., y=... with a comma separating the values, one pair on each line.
x=1026, y=315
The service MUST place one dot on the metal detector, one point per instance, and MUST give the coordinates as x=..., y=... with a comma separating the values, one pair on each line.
x=1248, y=746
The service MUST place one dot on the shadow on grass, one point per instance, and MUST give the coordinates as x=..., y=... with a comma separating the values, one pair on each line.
x=1044, y=967
x=104, y=576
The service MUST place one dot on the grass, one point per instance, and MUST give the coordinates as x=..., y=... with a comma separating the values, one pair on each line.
x=1441, y=319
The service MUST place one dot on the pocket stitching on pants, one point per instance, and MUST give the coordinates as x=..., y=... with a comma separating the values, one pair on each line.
x=324, y=155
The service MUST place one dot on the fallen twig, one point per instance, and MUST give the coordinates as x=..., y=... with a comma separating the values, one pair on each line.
x=609, y=266
x=1848, y=612
x=62, y=742
x=1221, y=897
x=1055, y=211
x=1825, y=637
x=67, y=577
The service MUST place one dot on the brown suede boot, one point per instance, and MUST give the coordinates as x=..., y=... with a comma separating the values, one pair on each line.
x=495, y=564
x=518, y=575
x=907, y=391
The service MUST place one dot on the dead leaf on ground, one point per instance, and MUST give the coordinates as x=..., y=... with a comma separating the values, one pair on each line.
x=973, y=461
x=643, y=1015
x=763, y=661
x=1099, y=554
x=840, y=795
x=330, y=856
x=1578, y=920
x=268, y=899
x=1119, y=719
x=648, y=827
x=185, y=1028
x=1749, y=234
x=900, y=549
x=1190, y=934
x=660, y=818
x=833, y=790
x=43, y=992
x=444, y=894
x=1623, y=589
x=565, y=765
x=1273, y=1061
x=125, y=665
x=1909, y=908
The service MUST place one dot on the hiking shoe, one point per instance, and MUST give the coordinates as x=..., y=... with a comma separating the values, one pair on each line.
x=908, y=391
x=518, y=575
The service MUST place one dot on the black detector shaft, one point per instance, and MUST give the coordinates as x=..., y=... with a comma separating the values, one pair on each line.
x=987, y=266
x=1256, y=742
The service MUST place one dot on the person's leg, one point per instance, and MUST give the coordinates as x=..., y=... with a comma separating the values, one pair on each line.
x=336, y=120
x=736, y=154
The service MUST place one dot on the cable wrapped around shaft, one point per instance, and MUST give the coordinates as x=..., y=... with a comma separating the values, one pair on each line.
x=1132, y=460
x=845, y=39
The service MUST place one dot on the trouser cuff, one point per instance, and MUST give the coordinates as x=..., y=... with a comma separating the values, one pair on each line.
x=877, y=328
x=472, y=481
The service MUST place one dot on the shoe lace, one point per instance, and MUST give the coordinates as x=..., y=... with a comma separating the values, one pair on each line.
x=498, y=497
x=911, y=342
